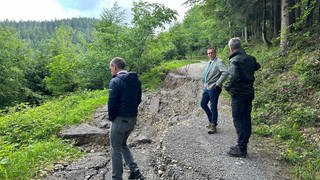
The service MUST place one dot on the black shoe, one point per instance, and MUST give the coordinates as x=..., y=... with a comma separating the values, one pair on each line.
x=135, y=175
x=236, y=151
x=239, y=147
x=234, y=147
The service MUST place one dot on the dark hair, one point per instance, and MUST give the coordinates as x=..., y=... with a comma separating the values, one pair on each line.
x=118, y=62
x=213, y=49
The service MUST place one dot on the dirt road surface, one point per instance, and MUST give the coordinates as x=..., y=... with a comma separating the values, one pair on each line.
x=171, y=141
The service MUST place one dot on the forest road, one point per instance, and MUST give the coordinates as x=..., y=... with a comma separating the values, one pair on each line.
x=170, y=140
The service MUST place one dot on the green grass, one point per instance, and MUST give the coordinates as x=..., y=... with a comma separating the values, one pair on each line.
x=152, y=79
x=28, y=137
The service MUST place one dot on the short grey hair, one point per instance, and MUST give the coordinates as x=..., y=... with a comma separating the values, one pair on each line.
x=118, y=62
x=235, y=43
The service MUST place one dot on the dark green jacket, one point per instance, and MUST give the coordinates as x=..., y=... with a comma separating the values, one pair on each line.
x=242, y=68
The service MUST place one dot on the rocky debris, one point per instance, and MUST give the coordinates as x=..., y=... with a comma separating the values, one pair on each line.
x=94, y=132
x=92, y=166
x=85, y=133
x=140, y=142
x=154, y=105
x=100, y=118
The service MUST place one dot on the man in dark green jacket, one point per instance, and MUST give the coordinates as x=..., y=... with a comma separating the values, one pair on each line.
x=240, y=87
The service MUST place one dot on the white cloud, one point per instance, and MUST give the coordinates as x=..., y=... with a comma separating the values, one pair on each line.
x=52, y=9
x=34, y=10
x=128, y=4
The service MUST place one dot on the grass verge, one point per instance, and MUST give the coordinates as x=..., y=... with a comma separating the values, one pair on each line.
x=28, y=137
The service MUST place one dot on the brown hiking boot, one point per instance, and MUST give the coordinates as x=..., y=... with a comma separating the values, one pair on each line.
x=209, y=126
x=212, y=129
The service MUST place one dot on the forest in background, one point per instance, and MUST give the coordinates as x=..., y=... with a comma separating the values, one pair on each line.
x=49, y=58
x=44, y=60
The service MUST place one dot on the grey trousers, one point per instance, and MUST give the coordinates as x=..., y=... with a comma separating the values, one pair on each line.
x=120, y=130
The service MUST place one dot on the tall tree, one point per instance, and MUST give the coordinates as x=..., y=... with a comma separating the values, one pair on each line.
x=147, y=17
x=13, y=64
x=264, y=25
x=284, y=26
x=63, y=64
x=276, y=14
x=108, y=43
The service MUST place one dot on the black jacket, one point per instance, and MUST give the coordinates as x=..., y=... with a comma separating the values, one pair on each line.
x=242, y=68
x=124, y=95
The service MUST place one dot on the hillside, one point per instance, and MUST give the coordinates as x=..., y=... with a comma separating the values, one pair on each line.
x=35, y=32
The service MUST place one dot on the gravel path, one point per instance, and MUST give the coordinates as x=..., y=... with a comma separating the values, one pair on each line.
x=204, y=155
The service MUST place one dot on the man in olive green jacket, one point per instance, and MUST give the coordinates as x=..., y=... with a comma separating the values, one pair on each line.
x=213, y=76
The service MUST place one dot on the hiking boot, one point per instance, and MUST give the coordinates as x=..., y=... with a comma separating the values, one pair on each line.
x=209, y=126
x=136, y=175
x=212, y=129
x=239, y=147
x=236, y=151
x=234, y=147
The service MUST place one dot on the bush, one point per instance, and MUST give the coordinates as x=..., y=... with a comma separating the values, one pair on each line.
x=308, y=70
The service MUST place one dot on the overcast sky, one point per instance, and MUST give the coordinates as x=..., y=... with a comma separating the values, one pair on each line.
x=61, y=9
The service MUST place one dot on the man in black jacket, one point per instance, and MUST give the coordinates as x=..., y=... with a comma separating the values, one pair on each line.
x=124, y=99
x=240, y=86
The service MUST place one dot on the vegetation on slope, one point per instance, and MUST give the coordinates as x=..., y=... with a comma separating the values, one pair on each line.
x=287, y=103
x=28, y=136
x=152, y=79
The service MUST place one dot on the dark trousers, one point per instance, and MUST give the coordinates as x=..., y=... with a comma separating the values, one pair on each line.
x=120, y=130
x=211, y=95
x=241, y=113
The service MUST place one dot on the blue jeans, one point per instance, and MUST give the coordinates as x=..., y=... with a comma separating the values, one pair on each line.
x=241, y=113
x=120, y=130
x=211, y=95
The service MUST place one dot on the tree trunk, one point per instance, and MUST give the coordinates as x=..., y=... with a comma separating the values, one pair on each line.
x=292, y=13
x=310, y=15
x=284, y=27
x=276, y=17
x=319, y=11
x=246, y=34
x=298, y=10
x=264, y=22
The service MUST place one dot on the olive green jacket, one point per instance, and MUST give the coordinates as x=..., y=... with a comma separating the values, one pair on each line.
x=214, y=74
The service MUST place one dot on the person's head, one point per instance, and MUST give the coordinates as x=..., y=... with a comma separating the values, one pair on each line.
x=211, y=52
x=116, y=64
x=234, y=44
